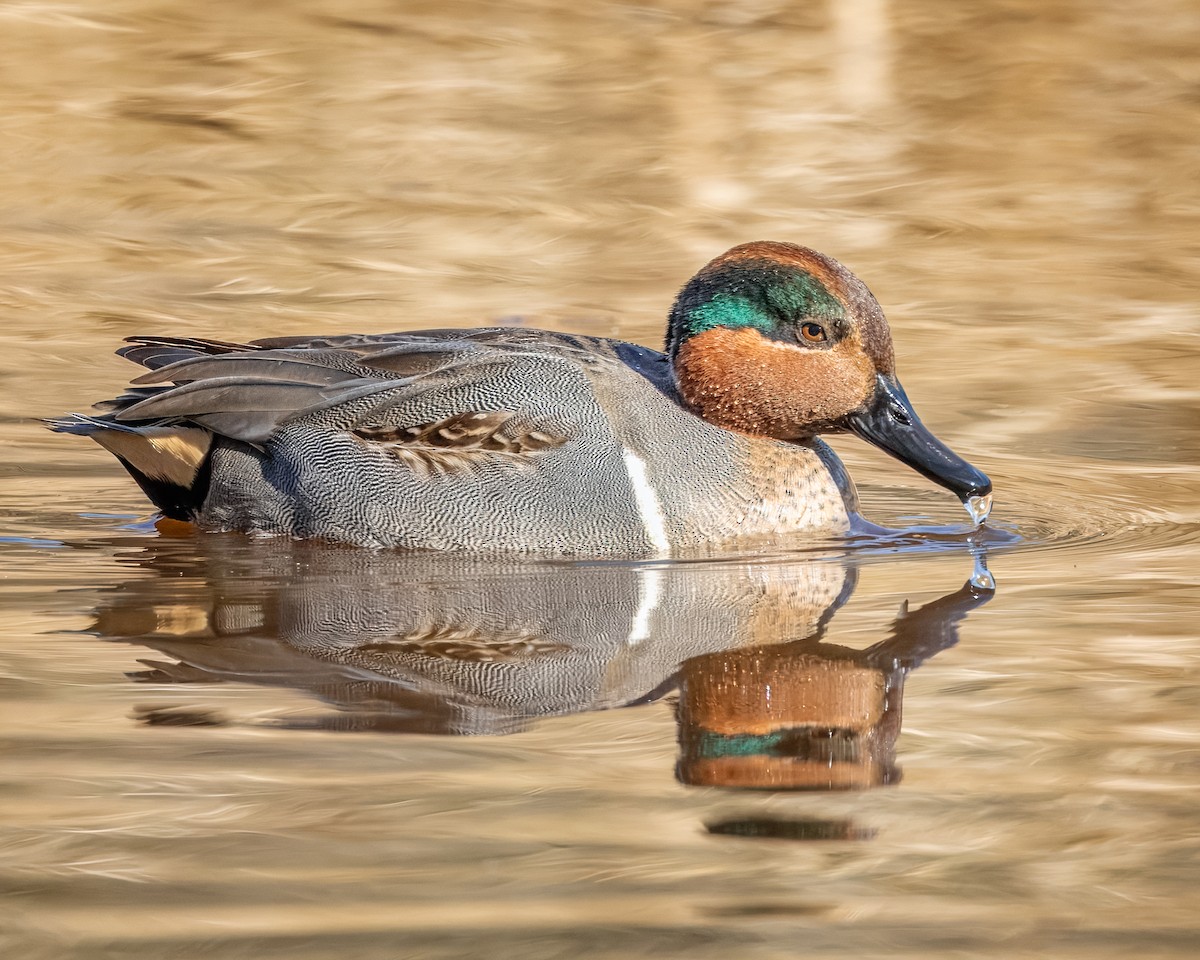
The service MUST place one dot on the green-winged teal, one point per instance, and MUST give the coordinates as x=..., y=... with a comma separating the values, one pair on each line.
x=511, y=440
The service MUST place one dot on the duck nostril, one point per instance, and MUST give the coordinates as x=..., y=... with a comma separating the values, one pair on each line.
x=899, y=414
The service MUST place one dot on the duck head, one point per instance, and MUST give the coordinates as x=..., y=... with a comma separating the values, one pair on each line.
x=777, y=340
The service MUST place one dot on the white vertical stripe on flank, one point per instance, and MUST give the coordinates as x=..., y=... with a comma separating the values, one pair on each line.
x=646, y=498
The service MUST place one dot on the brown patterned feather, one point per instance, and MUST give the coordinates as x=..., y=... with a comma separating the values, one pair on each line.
x=458, y=443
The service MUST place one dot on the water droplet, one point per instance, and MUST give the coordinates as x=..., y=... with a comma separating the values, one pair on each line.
x=979, y=508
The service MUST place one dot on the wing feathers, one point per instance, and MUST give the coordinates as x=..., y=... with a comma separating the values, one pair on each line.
x=248, y=366
x=154, y=352
x=223, y=395
x=247, y=392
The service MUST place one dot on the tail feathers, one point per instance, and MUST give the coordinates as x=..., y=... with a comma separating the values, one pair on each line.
x=170, y=462
x=79, y=424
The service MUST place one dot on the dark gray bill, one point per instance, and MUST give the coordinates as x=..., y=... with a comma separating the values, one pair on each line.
x=889, y=421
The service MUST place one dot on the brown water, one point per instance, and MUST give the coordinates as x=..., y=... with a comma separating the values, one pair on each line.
x=216, y=747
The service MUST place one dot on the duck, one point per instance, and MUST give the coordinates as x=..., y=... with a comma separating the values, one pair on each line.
x=510, y=440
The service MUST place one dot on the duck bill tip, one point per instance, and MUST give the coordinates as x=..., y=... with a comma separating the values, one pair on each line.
x=888, y=421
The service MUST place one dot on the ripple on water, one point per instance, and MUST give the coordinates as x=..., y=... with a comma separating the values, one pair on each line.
x=1105, y=522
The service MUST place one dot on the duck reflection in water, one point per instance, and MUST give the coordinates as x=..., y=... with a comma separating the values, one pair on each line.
x=437, y=644
x=808, y=715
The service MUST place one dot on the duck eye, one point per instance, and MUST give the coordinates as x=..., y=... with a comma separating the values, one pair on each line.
x=813, y=333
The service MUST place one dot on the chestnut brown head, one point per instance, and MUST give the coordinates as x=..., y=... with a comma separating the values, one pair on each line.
x=776, y=340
